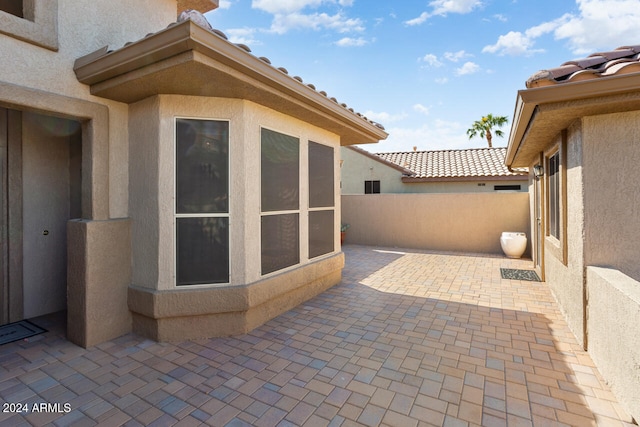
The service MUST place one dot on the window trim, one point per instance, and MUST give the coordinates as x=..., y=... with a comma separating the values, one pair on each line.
x=38, y=27
x=177, y=215
x=557, y=246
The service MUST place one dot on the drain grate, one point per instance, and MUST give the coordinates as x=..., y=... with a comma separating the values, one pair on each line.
x=515, y=274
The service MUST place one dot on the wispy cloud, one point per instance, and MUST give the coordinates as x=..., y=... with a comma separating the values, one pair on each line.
x=384, y=117
x=422, y=109
x=243, y=35
x=225, y=4
x=351, y=42
x=296, y=14
x=438, y=134
x=468, y=68
x=445, y=7
x=432, y=60
x=599, y=24
x=456, y=56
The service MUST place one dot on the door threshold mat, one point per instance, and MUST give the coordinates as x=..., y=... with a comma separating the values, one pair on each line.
x=18, y=331
x=516, y=274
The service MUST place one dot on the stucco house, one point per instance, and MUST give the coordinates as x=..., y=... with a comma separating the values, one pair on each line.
x=576, y=127
x=474, y=170
x=172, y=184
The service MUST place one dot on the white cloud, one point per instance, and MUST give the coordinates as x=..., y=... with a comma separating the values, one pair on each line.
x=599, y=24
x=283, y=23
x=500, y=17
x=437, y=135
x=351, y=42
x=384, y=117
x=422, y=109
x=293, y=14
x=513, y=43
x=224, y=4
x=442, y=80
x=456, y=56
x=432, y=60
x=242, y=35
x=444, y=7
x=468, y=68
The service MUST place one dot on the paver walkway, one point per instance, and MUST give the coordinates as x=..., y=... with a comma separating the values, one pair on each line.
x=408, y=338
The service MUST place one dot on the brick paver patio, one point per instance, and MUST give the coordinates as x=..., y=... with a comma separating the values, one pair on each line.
x=408, y=338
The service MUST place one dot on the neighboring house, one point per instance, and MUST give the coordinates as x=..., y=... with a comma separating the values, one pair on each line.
x=577, y=129
x=444, y=171
x=130, y=196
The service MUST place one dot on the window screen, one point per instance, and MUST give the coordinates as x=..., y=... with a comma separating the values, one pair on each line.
x=554, y=195
x=280, y=171
x=202, y=166
x=202, y=250
x=202, y=202
x=321, y=191
x=14, y=7
x=280, y=241
x=321, y=236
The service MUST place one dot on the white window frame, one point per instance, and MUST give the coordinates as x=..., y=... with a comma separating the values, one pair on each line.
x=323, y=208
x=177, y=215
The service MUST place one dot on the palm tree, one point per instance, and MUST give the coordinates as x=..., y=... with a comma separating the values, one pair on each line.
x=483, y=127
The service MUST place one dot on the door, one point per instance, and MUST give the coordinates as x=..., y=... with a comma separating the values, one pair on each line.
x=41, y=173
x=538, y=228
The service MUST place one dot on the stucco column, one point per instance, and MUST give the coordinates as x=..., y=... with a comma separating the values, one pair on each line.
x=99, y=274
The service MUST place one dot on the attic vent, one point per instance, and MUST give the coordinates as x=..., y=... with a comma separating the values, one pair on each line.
x=507, y=187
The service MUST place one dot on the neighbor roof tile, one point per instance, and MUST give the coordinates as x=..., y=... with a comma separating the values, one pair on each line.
x=623, y=60
x=473, y=162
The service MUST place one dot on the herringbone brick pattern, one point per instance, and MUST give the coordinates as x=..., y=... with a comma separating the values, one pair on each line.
x=408, y=338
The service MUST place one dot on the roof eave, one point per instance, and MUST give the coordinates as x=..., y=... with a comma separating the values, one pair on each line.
x=541, y=113
x=141, y=69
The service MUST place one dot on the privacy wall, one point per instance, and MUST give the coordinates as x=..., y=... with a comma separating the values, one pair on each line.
x=444, y=222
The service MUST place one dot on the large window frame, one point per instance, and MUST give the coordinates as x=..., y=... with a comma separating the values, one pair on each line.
x=182, y=215
x=279, y=219
x=555, y=229
x=322, y=206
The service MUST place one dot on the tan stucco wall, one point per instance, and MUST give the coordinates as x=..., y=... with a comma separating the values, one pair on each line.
x=614, y=336
x=196, y=313
x=612, y=191
x=445, y=222
x=566, y=277
x=83, y=27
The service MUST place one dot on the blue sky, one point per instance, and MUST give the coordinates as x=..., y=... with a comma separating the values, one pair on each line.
x=426, y=70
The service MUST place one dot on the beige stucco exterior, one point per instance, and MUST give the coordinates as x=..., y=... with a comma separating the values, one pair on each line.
x=592, y=268
x=120, y=241
x=468, y=222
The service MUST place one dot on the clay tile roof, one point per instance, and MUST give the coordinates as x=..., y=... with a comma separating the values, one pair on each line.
x=475, y=162
x=623, y=60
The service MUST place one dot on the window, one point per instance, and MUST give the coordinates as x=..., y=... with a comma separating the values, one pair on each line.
x=280, y=195
x=202, y=202
x=372, y=187
x=554, y=195
x=14, y=7
x=507, y=187
x=32, y=21
x=321, y=200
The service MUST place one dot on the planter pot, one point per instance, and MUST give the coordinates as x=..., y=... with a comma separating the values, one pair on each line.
x=343, y=234
x=513, y=244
